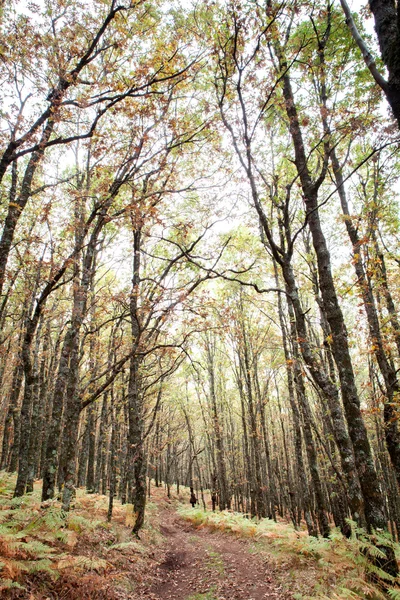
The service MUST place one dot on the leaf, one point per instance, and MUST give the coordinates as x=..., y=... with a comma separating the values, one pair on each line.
x=83, y=563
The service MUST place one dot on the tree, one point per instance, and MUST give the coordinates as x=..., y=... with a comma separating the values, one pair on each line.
x=387, y=30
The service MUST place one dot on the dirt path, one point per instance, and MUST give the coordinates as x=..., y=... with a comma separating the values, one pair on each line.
x=199, y=564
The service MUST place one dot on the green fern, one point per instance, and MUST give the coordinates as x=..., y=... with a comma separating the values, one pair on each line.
x=394, y=593
x=371, y=549
x=5, y=514
x=127, y=546
x=36, y=548
x=83, y=563
x=336, y=535
x=51, y=520
x=36, y=566
x=18, y=501
x=380, y=573
x=79, y=524
x=6, y=584
x=366, y=589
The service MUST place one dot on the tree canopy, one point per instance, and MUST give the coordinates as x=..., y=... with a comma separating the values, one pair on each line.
x=199, y=256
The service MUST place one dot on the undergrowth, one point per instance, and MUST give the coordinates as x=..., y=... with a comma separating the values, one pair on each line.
x=328, y=569
x=44, y=553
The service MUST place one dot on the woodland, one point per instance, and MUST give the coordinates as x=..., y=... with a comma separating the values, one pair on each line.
x=199, y=257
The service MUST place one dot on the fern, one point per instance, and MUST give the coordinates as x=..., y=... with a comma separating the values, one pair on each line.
x=83, y=563
x=6, y=584
x=127, y=546
x=394, y=593
x=346, y=594
x=51, y=520
x=62, y=536
x=79, y=524
x=380, y=573
x=18, y=501
x=30, y=536
x=36, y=548
x=366, y=589
x=371, y=549
x=5, y=514
x=362, y=554
x=36, y=566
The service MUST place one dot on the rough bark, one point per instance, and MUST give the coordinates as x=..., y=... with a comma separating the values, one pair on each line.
x=17, y=205
x=135, y=397
x=373, y=500
x=7, y=460
x=387, y=16
x=304, y=491
x=113, y=462
x=391, y=308
x=224, y=491
x=51, y=458
x=101, y=446
x=386, y=367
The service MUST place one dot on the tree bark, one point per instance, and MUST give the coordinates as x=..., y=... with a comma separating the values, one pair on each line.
x=386, y=367
x=224, y=491
x=373, y=500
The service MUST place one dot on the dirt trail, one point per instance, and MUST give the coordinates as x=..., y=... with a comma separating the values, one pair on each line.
x=199, y=564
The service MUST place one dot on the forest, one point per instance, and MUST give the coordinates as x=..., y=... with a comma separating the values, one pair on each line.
x=199, y=257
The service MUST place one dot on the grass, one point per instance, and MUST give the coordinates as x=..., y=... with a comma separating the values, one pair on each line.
x=215, y=561
x=336, y=568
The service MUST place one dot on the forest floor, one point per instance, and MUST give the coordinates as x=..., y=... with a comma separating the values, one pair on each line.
x=182, y=554
x=201, y=564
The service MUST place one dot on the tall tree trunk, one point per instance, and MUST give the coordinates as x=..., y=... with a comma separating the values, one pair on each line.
x=71, y=427
x=390, y=306
x=373, y=499
x=18, y=203
x=30, y=386
x=254, y=433
x=84, y=449
x=53, y=434
x=113, y=466
x=136, y=432
x=35, y=415
x=135, y=398
x=224, y=491
x=101, y=446
x=12, y=418
x=387, y=369
x=91, y=425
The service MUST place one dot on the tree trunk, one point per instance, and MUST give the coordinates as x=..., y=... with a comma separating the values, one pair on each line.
x=387, y=369
x=224, y=492
x=53, y=434
x=373, y=501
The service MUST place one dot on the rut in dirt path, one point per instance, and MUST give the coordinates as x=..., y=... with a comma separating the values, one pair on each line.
x=203, y=565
